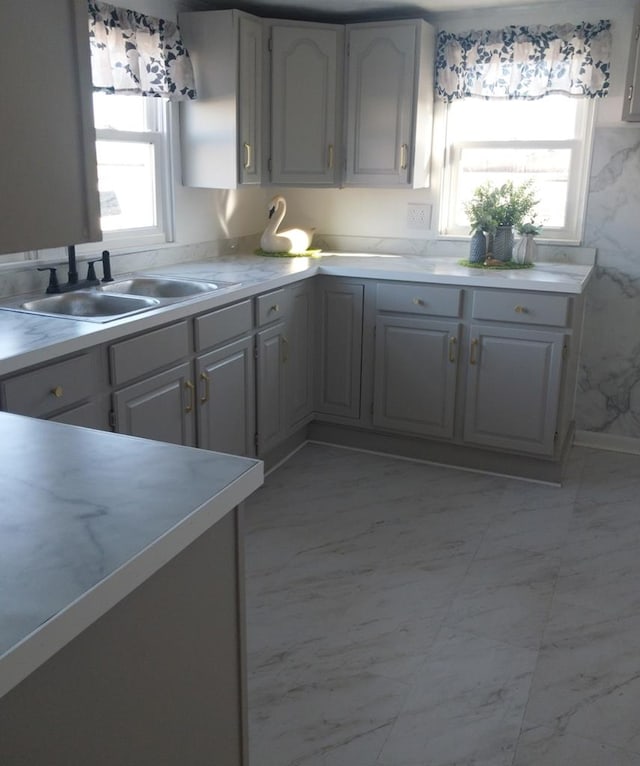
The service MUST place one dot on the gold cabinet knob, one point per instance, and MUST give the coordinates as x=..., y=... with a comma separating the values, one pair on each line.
x=521, y=310
x=418, y=302
x=275, y=308
x=58, y=392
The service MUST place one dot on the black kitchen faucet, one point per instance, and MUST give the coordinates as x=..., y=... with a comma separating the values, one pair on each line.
x=73, y=282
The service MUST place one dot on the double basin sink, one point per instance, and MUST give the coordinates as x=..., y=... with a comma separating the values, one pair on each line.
x=116, y=300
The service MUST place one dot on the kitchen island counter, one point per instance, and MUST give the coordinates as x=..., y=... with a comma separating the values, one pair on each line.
x=87, y=516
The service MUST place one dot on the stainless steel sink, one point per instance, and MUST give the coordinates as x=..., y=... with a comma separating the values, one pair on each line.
x=91, y=305
x=163, y=287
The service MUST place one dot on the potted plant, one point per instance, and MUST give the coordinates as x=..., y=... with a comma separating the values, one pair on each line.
x=497, y=209
x=526, y=248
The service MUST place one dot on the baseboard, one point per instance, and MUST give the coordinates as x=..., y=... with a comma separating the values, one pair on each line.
x=610, y=442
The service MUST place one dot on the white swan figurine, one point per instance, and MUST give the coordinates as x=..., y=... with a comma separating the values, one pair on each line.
x=289, y=241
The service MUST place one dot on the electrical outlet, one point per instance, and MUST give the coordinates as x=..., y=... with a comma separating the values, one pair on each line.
x=418, y=216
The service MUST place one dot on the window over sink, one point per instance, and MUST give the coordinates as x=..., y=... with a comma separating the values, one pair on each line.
x=547, y=140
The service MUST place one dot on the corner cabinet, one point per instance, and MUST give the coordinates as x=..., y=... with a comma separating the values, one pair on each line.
x=306, y=60
x=221, y=131
x=631, y=104
x=47, y=127
x=389, y=104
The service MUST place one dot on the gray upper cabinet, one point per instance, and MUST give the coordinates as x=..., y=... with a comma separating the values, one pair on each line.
x=49, y=190
x=221, y=131
x=631, y=104
x=305, y=95
x=513, y=388
x=389, y=103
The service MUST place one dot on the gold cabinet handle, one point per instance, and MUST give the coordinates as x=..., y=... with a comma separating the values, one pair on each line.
x=285, y=349
x=630, y=93
x=191, y=391
x=205, y=395
x=404, y=152
x=58, y=392
x=452, y=349
x=521, y=309
x=330, y=157
x=247, y=155
x=419, y=302
x=472, y=355
x=275, y=308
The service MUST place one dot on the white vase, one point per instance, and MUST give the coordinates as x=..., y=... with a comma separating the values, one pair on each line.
x=526, y=250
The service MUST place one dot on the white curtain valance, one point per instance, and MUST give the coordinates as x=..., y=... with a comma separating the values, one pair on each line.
x=138, y=54
x=525, y=62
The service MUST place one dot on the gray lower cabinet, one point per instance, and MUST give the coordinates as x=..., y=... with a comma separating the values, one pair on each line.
x=298, y=355
x=415, y=375
x=339, y=347
x=513, y=388
x=226, y=399
x=72, y=390
x=271, y=353
x=160, y=407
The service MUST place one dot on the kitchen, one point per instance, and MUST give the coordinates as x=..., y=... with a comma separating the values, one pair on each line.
x=605, y=401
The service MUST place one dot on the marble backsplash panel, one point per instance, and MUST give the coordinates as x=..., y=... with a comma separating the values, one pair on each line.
x=608, y=397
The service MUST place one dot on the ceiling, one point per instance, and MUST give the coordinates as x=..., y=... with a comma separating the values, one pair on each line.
x=357, y=8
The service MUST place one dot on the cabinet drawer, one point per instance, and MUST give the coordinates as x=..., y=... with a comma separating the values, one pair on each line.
x=139, y=356
x=419, y=299
x=522, y=308
x=54, y=387
x=220, y=326
x=270, y=307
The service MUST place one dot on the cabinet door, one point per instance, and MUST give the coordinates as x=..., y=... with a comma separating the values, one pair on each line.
x=221, y=130
x=340, y=306
x=226, y=399
x=271, y=387
x=93, y=414
x=380, y=96
x=304, y=98
x=513, y=388
x=250, y=100
x=631, y=104
x=415, y=375
x=298, y=356
x=49, y=189
x=159, y=408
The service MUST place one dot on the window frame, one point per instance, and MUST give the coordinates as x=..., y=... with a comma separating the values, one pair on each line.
x=580, y=146
x=159, y=135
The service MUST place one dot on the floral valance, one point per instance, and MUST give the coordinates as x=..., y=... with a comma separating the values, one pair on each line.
x=133, y=53
x=525, y=62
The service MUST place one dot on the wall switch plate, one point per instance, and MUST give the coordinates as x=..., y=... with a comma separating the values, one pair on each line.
x=418, y=216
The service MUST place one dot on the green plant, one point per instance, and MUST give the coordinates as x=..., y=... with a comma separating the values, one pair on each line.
x=530, y=227
x=507, y=205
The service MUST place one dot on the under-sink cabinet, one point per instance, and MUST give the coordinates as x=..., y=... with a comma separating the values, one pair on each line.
x=71, y=390
x=160, y=404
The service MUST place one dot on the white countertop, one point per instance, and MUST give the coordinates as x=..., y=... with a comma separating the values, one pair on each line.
x=26, y=339
x=85, y=517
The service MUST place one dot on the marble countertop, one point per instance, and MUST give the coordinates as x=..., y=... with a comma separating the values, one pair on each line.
x=27, y=339
x=85, y=517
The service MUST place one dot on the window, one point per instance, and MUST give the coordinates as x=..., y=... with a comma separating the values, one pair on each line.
x=133, y=168
x=547, y=140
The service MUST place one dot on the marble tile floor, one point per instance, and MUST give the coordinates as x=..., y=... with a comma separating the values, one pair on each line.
x=403, y=614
